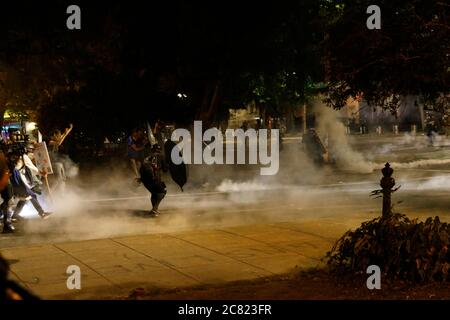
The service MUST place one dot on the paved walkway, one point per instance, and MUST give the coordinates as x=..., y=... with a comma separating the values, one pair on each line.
x=111, y=268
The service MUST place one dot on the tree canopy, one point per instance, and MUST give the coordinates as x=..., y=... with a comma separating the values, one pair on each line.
x=409, y=55
x=132, y=61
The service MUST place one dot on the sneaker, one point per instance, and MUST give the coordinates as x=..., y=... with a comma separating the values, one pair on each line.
x=17, y=218
x=154, y=213
x=45, y=215
x=8, y=228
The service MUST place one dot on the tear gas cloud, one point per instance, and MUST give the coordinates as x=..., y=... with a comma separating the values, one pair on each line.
x=333, y=130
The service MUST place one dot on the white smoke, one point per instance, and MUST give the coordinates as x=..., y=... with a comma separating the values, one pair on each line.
x=229, y=185
x=434, y=183
x=419, y=163
x=70, y=167
x=103, y=202
x=332, y=128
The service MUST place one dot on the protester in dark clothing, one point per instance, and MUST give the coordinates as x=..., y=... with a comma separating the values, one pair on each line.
x=150, y=172
x=4, y=172
x=5, y=208
x=6, y=194
x=9, y=290
x=430, y=132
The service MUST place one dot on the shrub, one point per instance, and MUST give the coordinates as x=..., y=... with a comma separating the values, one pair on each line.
x=401, y=247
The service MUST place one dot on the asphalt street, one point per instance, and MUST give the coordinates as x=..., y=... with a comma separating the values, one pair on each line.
x=219, y=196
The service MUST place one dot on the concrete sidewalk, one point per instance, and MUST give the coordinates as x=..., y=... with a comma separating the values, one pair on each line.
x=111, y=268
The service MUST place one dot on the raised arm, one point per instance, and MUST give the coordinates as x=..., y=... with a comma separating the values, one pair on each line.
x=66, y=133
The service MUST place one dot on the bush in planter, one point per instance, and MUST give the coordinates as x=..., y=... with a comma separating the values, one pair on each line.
x=401, y=247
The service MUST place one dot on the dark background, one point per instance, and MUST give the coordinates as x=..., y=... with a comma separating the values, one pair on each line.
x=131, y=59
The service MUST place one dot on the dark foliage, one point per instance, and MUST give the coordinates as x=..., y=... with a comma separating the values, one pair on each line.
x=409, y=55
x=402, y=248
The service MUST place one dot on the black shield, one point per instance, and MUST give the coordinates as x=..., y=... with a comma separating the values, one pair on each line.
x=178, y=172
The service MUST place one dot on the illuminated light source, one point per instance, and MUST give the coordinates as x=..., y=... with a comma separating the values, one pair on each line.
x=30, y=126
x=28, y=211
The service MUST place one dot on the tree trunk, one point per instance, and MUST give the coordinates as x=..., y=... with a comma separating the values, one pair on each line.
x=210, y=102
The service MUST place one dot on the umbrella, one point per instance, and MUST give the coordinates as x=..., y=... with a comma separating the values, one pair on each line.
x=178, y=172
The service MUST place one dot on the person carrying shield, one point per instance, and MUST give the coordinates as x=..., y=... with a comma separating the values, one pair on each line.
x=150, y=172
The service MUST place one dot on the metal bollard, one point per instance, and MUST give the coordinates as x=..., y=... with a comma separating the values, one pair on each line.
x=387, y=183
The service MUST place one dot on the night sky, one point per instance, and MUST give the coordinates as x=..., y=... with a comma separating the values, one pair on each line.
x=131, y=59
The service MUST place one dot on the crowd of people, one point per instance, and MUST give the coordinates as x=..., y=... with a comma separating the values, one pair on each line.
x=23, y=179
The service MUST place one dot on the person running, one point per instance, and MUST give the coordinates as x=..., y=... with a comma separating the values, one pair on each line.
x=150, y=173
x=21, y=182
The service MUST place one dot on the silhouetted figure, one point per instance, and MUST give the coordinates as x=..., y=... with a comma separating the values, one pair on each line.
x=9, y=290
x=150, y=172
x=430, y=131
x=314, y=146
x=6, y=193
